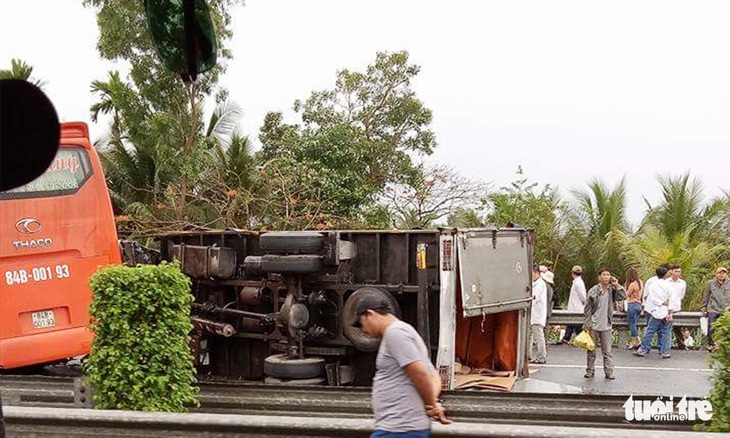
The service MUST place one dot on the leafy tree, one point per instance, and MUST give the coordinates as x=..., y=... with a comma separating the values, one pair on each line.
x=303, y=196
x=541, y=209
x=432, y=193
x=465, y=217
x=153, y=113
x=19, y=69
x=377, y=217
x=531, y=206
x=353, y=140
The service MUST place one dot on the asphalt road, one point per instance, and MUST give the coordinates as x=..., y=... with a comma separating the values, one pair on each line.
x=685, y=373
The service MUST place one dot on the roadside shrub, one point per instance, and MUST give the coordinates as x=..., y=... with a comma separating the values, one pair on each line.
x=720, y=362
x=140, y=359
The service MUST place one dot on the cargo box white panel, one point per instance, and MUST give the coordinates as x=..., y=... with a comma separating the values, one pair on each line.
x=495, y=271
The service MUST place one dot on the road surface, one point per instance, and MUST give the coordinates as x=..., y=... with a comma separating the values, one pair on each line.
x=685, y=373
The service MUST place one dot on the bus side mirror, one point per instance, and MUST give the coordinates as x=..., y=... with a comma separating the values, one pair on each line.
x=183, y=34
x=29, y=133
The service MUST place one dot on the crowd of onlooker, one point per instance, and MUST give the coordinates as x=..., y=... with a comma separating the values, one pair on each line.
x=657, y=299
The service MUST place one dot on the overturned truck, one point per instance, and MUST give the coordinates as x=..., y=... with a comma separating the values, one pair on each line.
x=279, y=306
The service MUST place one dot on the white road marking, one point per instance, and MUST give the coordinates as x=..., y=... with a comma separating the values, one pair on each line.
x=623, y=368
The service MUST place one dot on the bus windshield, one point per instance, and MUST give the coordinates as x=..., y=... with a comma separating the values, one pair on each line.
x=68, y=172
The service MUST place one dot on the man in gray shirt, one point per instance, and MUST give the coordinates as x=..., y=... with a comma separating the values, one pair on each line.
x=598, y=314
x=716, y=300
x=406, y=385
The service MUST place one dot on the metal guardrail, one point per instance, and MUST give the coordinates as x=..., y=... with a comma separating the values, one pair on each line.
x=564, y=317
x=348, y=402
x=29, y=422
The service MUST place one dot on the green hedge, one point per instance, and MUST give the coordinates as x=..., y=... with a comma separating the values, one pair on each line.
x=720, y=394
x=140, y=358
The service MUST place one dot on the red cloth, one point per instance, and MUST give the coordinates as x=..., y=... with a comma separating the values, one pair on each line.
x=493, y=342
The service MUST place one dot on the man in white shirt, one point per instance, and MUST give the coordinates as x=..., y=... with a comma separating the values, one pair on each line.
x=658, y=297
x=576, y=301
x=648, y=282
x=538, y=318
x=679, y=288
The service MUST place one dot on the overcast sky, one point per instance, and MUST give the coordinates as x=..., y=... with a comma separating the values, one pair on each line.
x=570, y=90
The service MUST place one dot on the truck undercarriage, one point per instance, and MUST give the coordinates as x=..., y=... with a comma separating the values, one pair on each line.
x=279, y=306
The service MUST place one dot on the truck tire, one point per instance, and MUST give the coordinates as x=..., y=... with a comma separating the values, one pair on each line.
x=360, y=340
x=314, y=381
x=281, y=366
x=291, y=242
x=293, y=264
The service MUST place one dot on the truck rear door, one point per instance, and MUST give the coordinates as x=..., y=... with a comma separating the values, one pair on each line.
x=494, y=269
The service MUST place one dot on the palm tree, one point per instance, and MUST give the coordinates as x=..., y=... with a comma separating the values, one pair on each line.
x=683, y=229
x=223, y=122
x=681, y=207
x=135, y=173
x=231, y=152
x=602, y=210
x=227, y=185
x=601, y=218
x=716, y=220
x=651, y=246
x=20, y=70
x=237, y=162
x=131, y=170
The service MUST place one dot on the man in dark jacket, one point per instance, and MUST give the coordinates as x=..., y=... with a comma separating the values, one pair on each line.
x=716, y=300
x=599, y=319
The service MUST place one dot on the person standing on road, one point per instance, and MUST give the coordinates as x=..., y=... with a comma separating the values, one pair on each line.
x=679, y=288
x=406, y=384
x=549, y=279
x=599, y=320
x=658, y=297
x=647, y=283
x=538, y=318
x=576, y=301
x=635, y=293
x=716, y=301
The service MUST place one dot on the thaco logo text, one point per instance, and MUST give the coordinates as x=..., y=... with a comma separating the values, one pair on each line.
x=663, y=409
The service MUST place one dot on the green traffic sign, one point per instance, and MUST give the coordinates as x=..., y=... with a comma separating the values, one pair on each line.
x=183, y=34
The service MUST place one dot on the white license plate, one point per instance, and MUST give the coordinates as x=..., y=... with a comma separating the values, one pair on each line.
x=43, y=319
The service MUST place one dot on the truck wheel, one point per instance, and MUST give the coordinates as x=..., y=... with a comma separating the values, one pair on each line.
x=291, y=242
x=295, y=264
x=314, y=381
x=360, y=340
x=283, y=367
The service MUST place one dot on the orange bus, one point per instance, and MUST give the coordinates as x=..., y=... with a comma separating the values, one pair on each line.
x=54, y=233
